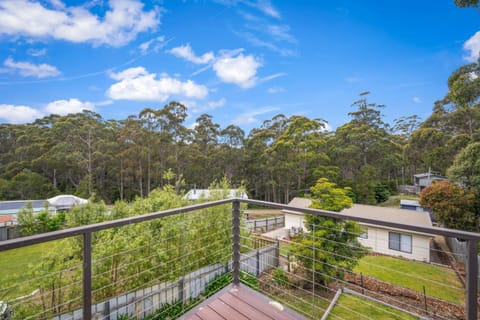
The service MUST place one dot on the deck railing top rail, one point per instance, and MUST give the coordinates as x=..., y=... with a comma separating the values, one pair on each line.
x=44, y=237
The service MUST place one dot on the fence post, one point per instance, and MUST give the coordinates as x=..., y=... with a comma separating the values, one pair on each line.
x=87, y=276
x=277, y=254
x=236, y=242
x=257, y=269
x=472, y=278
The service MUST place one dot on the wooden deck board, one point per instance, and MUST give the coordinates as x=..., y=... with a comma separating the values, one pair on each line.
x=239, y=303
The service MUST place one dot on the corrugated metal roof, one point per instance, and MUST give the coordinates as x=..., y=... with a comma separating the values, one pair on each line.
x=409, y=202
x=19, y=204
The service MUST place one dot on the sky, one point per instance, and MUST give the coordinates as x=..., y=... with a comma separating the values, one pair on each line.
x=241, y=61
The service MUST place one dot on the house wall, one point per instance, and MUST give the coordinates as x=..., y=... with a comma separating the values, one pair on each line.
x=378, y=242
x=294, y=220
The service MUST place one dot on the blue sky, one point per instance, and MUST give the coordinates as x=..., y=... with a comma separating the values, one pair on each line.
x=242, y=61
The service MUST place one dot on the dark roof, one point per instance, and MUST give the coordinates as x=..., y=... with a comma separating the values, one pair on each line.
x=240, y=303
x=17, y=205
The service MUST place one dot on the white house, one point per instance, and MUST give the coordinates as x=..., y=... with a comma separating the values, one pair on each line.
x=196, y=194
x=391, y=241
x=294, y=219
x=386, y=240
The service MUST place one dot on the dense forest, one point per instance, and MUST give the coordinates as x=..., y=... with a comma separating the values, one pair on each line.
x=87, y=155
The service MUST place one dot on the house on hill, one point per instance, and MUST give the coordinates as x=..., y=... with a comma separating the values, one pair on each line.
x=423, y=180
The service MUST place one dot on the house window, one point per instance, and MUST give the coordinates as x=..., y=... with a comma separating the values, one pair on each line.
x=363, y=232
x=400, y=242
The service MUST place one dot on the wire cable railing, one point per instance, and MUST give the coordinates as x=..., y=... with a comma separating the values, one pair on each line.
x=169, y=272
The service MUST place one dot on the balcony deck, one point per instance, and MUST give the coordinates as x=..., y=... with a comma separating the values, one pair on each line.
x=239, y=302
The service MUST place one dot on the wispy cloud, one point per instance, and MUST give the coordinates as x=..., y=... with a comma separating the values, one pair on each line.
x=197, y=107
x=250, y=117
x=28, y=69
x=472, y=45
x=256, y=41
x=154, y=45
x=417, y=100
x=354, y=79
x=186, y=52
x=273, y=76
x=273, y=90
x=37, y=52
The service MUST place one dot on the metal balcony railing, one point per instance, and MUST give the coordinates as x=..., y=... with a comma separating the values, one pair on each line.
x=241, y=249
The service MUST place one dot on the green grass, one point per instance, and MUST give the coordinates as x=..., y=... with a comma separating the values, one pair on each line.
x=14, y=265
x=285, y=248
x=394, y=201
x=352, y=307
x=439, y=282
x=302, y=302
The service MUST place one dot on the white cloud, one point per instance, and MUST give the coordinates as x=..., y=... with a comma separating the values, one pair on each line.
x=154, y=44
x=208, y=106
x=250, y=117
x=281, y=33
x=25, y=114
x=116, y=27
x=472, y=45
x=266, y=7
x=138, y=84
x=417, y=100
x=275, y=90
x=273, y=76
x=28, y=69
x=37, y=52
x=64, y=107
x=19, y=114
x=354, y=79
x=187, y=53
x=254, y=40
x=240, y=70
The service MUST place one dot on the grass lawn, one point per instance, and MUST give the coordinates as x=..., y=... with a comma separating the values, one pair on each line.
x=394, y=201
x=439, y=282
x=13, y=265
x=352, y=307
x=302, y=303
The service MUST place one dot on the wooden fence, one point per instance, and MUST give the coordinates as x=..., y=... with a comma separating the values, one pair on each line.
x=265, y=224
x=146, y=301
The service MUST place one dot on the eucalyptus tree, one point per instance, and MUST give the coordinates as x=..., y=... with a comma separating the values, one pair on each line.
x=300, y=151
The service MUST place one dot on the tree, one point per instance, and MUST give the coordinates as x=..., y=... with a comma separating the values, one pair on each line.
x=465, y=169
x=452, y=205
x=331, y=247
x=26, y=221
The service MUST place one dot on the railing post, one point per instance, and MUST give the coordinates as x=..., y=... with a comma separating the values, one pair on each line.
x=472, y=279
x=87, y=276
x=236, y=241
